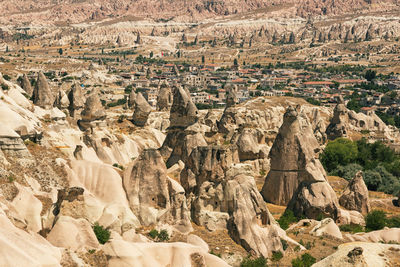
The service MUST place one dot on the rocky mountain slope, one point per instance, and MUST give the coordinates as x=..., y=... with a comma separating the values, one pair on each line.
x=71, y=11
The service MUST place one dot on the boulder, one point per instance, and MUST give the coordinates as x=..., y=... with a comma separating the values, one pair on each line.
x=327, y=227
x=355, y=196
x=293, y=157
x=74, y=234
x=141, y=111
x=42, y=95
x=313, y=200
x=362, y=254
x=122, y=253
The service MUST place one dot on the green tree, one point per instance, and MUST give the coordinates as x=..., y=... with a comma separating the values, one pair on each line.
x=375, y=220
x=341, y=151
x=203, y=59
x=370, y=75
x=60, y=51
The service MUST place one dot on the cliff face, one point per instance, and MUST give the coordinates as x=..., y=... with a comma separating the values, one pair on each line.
x=74, y=11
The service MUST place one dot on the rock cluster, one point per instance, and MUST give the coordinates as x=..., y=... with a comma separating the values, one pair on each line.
x=152, y=195
x=355, y=196
x=76, y=99
x=92, y=111
x=26, y=85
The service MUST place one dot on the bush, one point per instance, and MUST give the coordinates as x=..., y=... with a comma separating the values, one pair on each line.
x=341, y=151
x=375, y=220
x=393, y=222
x=153, y=233
x=102, y=234
x=306, y=260
x=372, y=179
x=347, y=172
x=286, y=219
x=163, y=235
x=352, y=228
x=284, y=243
x=259, y=262
x=276, y=256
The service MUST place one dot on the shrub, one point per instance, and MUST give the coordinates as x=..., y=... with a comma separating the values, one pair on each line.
x=4, y=87
x=341, y=151
x=372, y=179
x=276, y=256
x=284, y=243
x=375, y=220
x=347, y=172
x=102, y=234
x=352, y=228
x=306, y=260
x=286, y=219
x=153, y=233
x=258, y=262
x=163, y=235
x=393, y=222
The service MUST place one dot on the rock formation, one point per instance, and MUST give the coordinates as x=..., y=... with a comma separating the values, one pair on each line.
x=76, y=99
x=223, y=194
x=294, y=159
x=164, y=98
x=338, y=126
x=355, y=196
x=141, y=111
x=132, y=98
x=152, y=195
x=184, y=133
x=93, y=110
x=26, y=85
x=42, y=94
x=313, y=200
x=61, y=100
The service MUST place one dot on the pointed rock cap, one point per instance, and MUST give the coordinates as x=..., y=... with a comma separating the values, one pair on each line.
x=142, y=111
x=42, y=95
x=93, y=109
x=183, y=111
x=26, y=85
x=76, y=98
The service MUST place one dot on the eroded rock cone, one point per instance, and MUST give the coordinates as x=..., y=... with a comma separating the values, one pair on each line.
x=93, y=109
x=164, y=98
x=141, y=112
x=355, y=196
x=61, y=100
x=42, y=95
x=152, y=195
x=313, y=200
x=183, y=111
x=132, y=99
x=294, y=159
x=26, y=85
x=184, y=133
x=76, y=99
x=338, y=126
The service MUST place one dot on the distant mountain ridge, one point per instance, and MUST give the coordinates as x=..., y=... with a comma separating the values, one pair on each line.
x=20, y=12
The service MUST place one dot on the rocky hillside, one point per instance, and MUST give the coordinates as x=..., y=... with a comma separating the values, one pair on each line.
x=71, y=11
x=81, y=185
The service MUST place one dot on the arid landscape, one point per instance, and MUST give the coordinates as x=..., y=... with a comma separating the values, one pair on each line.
x=199, y=133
